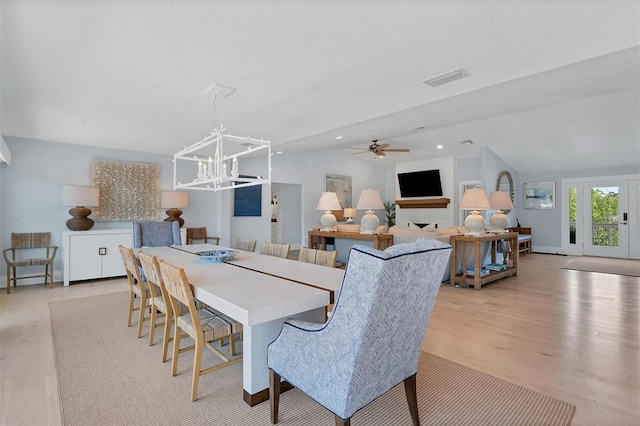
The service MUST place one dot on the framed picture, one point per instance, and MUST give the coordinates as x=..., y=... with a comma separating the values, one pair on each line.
x=341, y=185
x=540, y=195
x=247, y=201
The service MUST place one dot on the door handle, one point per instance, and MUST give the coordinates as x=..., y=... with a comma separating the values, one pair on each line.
x=102, y=251
x=624, y=218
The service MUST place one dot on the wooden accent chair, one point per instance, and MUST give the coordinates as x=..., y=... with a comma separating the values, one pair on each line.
x=248, y=245
x=202, y=325
x=384, y=304
x=319, y=257
x=29, y=240
x=159, y=300
x=277, y=250
x=137, y=288
x=200, y=234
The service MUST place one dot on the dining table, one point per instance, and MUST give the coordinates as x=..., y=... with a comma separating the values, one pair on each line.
x=260, y=292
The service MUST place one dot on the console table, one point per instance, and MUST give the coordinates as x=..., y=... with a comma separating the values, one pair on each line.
x=465, y=243
x=380, y=241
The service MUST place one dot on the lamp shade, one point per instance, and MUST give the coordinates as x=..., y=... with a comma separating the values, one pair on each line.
x=474, y=199
x=80, y=196
x=500, y=200
x=370, y=200
x=328, y=201
x=350, y=212
x=174, y=199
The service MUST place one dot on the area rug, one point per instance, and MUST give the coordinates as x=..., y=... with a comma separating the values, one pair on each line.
x=606, y=265
x=108, y=376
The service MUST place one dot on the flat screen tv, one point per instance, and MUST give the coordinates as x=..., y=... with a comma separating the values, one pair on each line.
x=424, y=183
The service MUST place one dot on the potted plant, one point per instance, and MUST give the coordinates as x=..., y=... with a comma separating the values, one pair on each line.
x=390, y=213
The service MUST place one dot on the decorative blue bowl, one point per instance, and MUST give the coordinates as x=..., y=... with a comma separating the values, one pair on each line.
x=216, y=256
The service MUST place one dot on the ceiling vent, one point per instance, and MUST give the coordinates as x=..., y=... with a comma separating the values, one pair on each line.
x=467, y=142
x=446, y=78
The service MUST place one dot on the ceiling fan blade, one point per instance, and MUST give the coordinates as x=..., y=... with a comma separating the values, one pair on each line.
x=382, y=147
x=361, y=152
x=397, y=150
x=355, y=147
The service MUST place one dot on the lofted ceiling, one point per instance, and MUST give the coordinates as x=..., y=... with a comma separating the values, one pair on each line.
x=548, y=80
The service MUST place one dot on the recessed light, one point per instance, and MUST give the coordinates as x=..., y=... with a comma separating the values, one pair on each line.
x=439, y=146
x=338, y=137
x=81, y=122
x=279, y=152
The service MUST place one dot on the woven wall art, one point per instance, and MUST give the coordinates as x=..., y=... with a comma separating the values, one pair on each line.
x=128, y=191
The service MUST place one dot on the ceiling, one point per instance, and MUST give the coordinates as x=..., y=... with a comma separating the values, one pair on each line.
x=547, y=80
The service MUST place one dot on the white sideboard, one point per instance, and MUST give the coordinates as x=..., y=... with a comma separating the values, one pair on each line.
x=89, y=255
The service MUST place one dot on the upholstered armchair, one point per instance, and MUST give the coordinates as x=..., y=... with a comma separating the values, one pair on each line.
x=155, y=234
x=372, y=341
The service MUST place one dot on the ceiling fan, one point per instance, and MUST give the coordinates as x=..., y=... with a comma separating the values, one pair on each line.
x=378, y=150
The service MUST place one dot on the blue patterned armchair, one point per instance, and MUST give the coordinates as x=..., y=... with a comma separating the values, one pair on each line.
x=155, y=234
x=372, y=340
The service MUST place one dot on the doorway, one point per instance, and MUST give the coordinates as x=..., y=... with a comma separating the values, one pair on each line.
x=601, y=217
x=286, y=214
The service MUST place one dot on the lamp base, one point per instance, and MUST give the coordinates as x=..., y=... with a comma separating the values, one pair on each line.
x=80, y=221
x=328, y=221
x=474, y=223
x=499, y=221
x=174, y=215
x=369, y=222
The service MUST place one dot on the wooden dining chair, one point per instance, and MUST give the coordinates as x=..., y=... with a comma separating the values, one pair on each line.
x=200, y=234
x=137, y=288
x=248, y=245
x=159, y=300
x=319, y=257
x=202, y=325
x=277, y=250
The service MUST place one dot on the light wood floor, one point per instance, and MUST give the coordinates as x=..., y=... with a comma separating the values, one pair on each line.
x=571, y=335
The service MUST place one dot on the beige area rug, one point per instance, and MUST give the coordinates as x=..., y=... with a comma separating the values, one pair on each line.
x=107, y=376
x=606, y=265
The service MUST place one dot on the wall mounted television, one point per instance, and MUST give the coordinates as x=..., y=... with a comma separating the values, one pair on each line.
x=425, y=183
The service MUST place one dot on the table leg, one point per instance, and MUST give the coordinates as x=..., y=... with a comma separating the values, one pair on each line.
x=256, y=338
x=477, y=266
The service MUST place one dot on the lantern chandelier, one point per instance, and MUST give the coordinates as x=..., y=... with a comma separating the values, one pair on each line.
x=213, y=163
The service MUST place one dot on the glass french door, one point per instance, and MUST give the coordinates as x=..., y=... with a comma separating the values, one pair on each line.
x=605, y=230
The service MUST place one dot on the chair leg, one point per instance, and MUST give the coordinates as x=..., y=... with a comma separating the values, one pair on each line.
x=131, y=301
x=176, y=348
x=143, y=308
x=197, y=361
x=51, y=276
x=8, y=280
x=152, y=325
x=343, y=422
x=274, y=395
x=167, y=335
x=410, y=389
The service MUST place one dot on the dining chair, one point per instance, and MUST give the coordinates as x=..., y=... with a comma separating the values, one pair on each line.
x=202, y=325
x=155, y=234
x=246, y=245
x=159, y=300
x=200, y=234
x=277, y=250
x=319, y=257
x=24, y=242
x=382, y=312
x=137, y=288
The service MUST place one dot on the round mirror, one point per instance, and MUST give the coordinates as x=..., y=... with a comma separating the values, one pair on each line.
x=505, y=183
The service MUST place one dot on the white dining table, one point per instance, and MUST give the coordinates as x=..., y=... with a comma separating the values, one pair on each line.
x=260, y=292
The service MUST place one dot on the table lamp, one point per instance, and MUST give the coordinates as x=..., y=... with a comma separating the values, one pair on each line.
x=474, y=199
x=369, y=200
x=328, y=202
x=349, y=213
x=80, y=197
x=500, y=200
x=174, y=201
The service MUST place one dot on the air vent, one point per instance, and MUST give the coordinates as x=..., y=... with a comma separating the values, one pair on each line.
x=446, y=78
x=467, y=142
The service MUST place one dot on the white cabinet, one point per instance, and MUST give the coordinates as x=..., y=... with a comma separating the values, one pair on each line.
x=89, y=255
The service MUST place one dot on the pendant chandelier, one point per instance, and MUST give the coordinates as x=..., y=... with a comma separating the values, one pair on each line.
x=213, y=163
